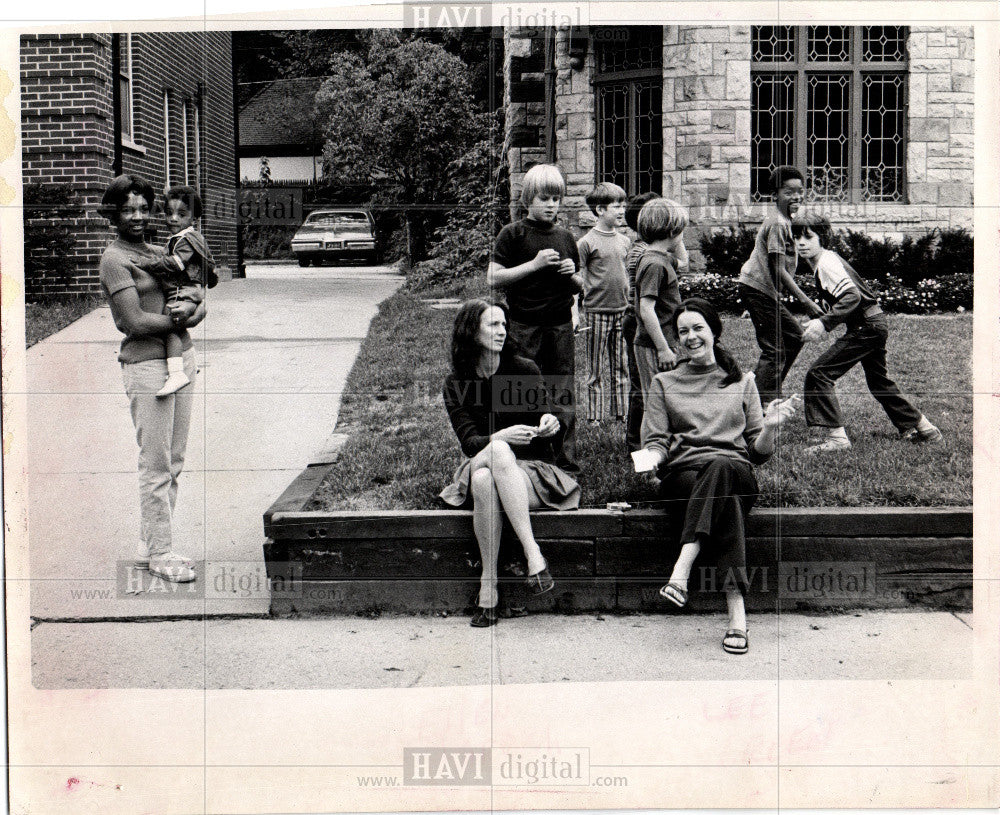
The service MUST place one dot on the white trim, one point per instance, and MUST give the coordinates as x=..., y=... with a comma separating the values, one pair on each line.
x=128, y=137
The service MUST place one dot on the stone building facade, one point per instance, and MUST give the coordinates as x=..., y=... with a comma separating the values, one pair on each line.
x=881, y=118
x=159, y=105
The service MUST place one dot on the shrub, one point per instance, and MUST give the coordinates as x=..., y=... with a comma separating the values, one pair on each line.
x=726, y=250
x=721, y=291
x=49, y=241
x=917, y=275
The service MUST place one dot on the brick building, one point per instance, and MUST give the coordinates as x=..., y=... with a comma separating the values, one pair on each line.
x=159, y=105
x=879, y=117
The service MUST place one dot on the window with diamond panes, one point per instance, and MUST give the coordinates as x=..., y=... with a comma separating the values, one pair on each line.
x=628, y=81
x=831, y=100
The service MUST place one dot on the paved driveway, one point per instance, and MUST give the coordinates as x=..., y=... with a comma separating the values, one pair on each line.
x=274, y=354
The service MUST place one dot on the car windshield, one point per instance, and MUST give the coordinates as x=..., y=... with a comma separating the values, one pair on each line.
x=338, y=219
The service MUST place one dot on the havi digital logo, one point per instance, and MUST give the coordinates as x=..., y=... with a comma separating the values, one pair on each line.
x=447, y=766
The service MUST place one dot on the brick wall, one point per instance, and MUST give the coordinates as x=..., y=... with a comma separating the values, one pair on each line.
x=66, y=135
x=706, y=129
x=68, y=129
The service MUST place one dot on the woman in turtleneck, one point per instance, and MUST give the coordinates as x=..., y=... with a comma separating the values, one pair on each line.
x=704, y=425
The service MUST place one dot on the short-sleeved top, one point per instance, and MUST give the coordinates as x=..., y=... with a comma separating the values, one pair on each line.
x=118, y=272
x=542, y=298
x=478, y=407
x=846, y=297
x=602, y=263
x=773, y=238
x=656, y=276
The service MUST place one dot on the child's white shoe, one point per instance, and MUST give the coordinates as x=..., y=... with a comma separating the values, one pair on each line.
x=174, y=383
x=836, y=441
x=923, y=432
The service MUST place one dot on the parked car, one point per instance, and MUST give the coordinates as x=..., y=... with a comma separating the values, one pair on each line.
x=332, y=234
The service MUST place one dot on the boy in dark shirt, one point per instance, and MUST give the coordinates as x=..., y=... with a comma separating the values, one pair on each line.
x=848, y=300
x=535, y=263
x=768, y=272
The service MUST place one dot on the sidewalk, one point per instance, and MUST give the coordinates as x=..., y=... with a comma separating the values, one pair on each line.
x=404, y=652
x=274, y=354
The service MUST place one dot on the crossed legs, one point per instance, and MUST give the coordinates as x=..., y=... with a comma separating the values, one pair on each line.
x=499, y=486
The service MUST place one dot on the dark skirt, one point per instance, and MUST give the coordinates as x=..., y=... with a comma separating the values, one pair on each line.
x=554, y=487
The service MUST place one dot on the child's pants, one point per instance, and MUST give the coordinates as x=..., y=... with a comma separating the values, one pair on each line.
x=779, y=336
x=605, y=334
x=161, y=430
x=635, y=404
x=552, y=349
x=864, y=344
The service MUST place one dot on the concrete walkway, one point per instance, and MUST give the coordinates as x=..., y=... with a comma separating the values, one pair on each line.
x=402, y=652
x=274, y=354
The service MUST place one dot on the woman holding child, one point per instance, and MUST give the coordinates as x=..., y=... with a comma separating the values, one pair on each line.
x=138, y=303
x=703, y=430
x=512, y=443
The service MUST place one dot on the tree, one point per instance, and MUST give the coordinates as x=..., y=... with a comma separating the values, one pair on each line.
x=397, y=117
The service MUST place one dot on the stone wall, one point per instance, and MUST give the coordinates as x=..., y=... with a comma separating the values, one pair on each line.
x=707, y=122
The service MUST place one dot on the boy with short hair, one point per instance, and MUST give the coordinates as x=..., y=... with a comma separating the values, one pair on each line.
x=850, y=301
x=605, y=294
x=535, y=263
x=188, y=262
x=657, y=293
x=768, y=272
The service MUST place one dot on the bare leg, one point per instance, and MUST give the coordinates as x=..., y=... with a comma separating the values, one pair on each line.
x=516, y=496
x=487, y=521
x=684, y=564
x=737, y=610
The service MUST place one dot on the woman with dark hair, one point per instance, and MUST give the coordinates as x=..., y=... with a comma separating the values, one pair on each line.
x=496, y=402
x=704, y=430
x=161, y=424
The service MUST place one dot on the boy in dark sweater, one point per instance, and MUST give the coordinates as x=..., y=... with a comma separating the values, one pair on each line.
x=850, y=301
x=535, y=264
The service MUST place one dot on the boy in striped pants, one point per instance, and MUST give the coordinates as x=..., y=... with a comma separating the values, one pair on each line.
x=605, y=294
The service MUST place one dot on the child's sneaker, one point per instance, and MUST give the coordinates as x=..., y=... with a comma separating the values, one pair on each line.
x=835, y=442
x=923, y=432
x=174, y=383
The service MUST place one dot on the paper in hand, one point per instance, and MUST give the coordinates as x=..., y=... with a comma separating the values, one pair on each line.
x=645, y=460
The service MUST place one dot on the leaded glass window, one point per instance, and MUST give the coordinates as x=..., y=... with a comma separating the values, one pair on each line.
x=629, y=95
x=832, y=100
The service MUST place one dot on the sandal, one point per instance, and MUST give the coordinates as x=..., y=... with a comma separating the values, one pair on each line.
x=739, y=637
x=540, y=582
x=675, y=594
x=484, y=617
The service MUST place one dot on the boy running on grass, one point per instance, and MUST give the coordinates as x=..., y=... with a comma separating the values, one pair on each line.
x=770, y=271
x=605, y=295
x=535, y=263
x=850, y=301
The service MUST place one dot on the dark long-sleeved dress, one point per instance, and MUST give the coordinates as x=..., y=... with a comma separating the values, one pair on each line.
x=514, y=394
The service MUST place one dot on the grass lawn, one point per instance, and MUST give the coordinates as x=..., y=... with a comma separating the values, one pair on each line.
x=47, y=315
x=401, y=449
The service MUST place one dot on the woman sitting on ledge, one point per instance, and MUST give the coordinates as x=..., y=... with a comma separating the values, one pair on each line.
x=703, y=429
x=495, y=401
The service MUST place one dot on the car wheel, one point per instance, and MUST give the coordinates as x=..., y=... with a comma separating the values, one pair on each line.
x=303, y=260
